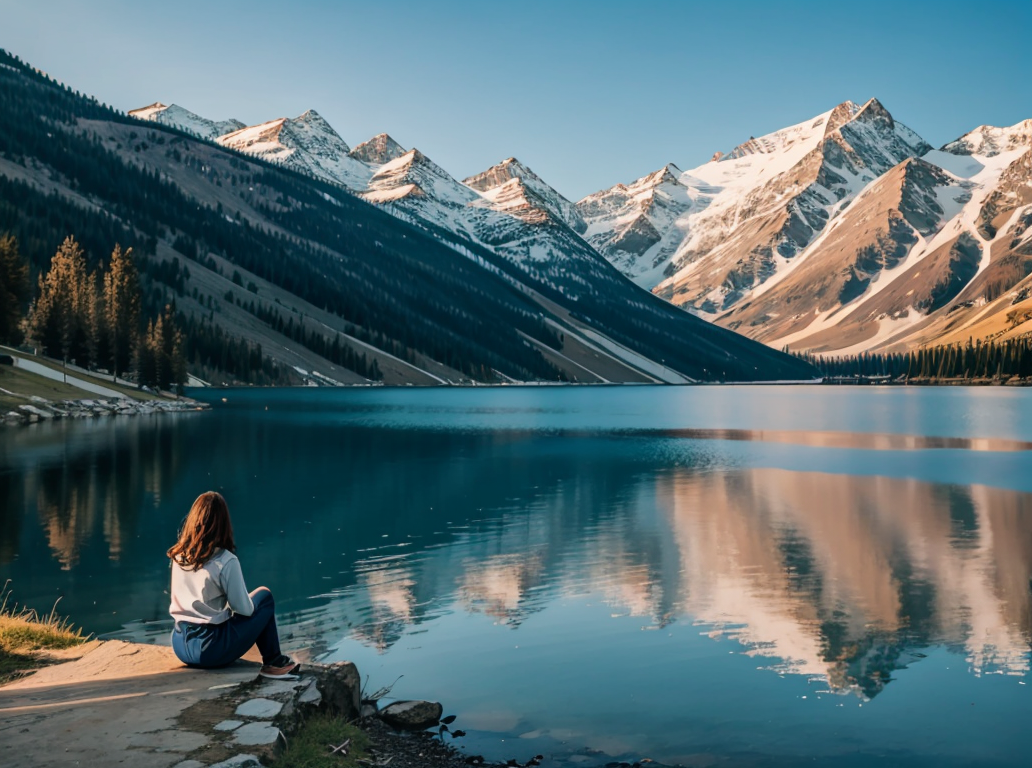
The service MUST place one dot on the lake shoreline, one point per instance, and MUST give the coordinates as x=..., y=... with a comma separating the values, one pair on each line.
x=42, y=410
x=185, y=716
x=975, y=383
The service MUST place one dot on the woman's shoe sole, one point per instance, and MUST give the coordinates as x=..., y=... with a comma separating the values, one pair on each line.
x=290, y=674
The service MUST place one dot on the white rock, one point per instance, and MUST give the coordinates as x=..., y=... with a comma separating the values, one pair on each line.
x=276, y=687
x=228, y=725
x=259, y=708
x=252, y=734
x=311, y=695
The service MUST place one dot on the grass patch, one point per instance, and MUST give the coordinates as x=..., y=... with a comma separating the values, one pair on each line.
x=26, y=635
x=24, y=385
x=310, y=746
x=94, y=378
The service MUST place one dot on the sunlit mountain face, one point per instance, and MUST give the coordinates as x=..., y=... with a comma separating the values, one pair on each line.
x=538, y=559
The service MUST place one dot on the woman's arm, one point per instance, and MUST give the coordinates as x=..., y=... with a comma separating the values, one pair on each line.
x=236, y=591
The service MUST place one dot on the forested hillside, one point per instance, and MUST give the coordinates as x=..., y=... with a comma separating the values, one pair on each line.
x=278, y=278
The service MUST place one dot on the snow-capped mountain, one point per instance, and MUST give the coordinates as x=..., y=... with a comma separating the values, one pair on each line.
x=507, y=209
x=934, y=248
x=306, y=143
x=519, y=218
x=511, y=222
x=841, y=232
x=705, y=237
x=767, y=199
x=176, y=117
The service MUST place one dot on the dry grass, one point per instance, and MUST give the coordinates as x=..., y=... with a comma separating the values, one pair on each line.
x=26, y=636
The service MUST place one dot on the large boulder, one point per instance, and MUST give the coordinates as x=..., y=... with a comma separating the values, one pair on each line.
x=341, y=688
x=412, y=715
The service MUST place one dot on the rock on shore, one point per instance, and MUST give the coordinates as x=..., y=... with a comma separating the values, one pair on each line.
x=41, y=409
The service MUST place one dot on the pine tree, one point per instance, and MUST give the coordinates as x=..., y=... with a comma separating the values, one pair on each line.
x=145, y=364
x=179, y=376
x=14, y=288
x=122, y=309
x=95, y=332
x=59, y=318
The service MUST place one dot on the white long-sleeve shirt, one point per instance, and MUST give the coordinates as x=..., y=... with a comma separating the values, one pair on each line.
x=212, y=593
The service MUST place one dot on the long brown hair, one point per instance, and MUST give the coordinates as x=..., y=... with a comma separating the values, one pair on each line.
x=207, y=528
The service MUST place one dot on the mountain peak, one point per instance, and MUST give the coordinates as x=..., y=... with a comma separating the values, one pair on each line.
x=144, y=113
x=874, y=110
x=668, y=174
x=499, y=174
x=990, y=140
x=311, y=117
x=176, y=116
x=414, y=159
x=513, y=187
x=841, y=115
x=378, y=150
x=306, y=143
x=311, y=128
x=801, y=137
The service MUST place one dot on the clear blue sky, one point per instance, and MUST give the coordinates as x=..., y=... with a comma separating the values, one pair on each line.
x=586, y=93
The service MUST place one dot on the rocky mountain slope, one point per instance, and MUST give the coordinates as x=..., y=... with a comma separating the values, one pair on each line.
x=743, y=216
x=306, y=143
x=843, y=233
x=640, y=226
x=925, y=252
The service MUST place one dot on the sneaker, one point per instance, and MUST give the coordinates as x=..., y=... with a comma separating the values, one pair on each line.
x=281, y=668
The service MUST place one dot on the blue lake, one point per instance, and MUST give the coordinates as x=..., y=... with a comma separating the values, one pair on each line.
x=709, y=576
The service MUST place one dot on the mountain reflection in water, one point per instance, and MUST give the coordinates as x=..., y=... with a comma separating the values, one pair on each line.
x=843, y=577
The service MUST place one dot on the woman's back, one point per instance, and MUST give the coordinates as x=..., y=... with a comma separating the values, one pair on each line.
x=208, y=594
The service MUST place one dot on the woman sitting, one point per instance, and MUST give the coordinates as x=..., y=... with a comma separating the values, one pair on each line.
x=217, y=621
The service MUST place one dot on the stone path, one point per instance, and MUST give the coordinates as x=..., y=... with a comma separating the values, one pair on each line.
x=133, y=705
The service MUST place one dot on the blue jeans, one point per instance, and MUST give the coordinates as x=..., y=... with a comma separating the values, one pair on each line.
x=216, y=645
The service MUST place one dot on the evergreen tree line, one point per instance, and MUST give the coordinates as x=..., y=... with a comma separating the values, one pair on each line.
x=972, y=360
x=93, y=319
x=212, y=352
